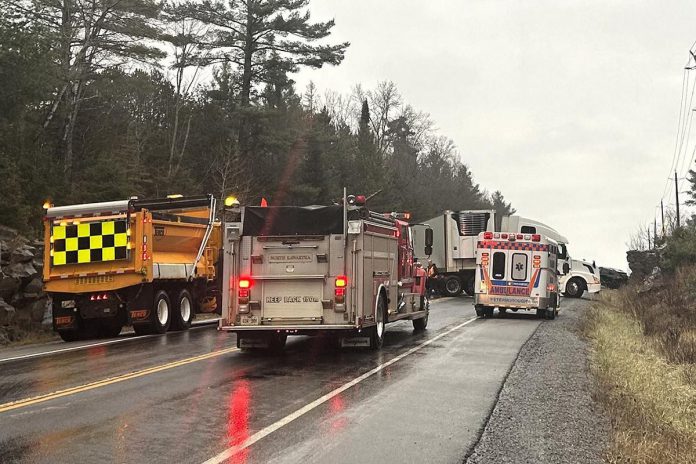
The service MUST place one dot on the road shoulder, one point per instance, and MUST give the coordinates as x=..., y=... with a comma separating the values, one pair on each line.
x=545, y=412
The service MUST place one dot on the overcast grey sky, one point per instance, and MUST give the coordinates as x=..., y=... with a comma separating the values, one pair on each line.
x=570, y=108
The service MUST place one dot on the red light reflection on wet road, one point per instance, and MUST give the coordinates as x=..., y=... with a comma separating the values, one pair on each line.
x=238, y=419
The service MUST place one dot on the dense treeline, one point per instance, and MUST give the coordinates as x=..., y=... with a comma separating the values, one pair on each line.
x=105, y=99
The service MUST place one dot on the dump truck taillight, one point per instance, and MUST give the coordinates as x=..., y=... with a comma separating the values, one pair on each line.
x=99, y=297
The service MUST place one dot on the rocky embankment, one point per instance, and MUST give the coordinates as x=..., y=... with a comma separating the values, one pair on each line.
x=24, y=307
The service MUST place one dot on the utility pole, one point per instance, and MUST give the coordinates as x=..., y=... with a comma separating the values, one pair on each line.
x=655, y=234
x=662, y=209
x=676, y=194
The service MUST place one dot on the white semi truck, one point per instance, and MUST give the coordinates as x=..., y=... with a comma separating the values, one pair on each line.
x=454, y=250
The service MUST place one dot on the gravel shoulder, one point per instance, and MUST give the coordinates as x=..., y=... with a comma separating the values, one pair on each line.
x=545, y=412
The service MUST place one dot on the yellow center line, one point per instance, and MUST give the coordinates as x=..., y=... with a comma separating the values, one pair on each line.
x=111, y=380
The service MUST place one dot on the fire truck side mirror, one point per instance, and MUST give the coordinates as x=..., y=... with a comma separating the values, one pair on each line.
x=429, y=239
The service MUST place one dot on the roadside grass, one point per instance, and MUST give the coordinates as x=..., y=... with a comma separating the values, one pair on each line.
x=643, y=361
x=25, y=334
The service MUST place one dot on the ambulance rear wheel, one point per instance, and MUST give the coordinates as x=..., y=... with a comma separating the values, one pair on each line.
x=550, y=314
x=502, y=312
x=182, y=312
x=488, y=310
x=377, y=332
x=452, y=286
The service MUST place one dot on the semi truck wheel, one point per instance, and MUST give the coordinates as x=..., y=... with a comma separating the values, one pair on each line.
x=452, y=285
x=377, y=332
x=182, y=311
x=575, y=288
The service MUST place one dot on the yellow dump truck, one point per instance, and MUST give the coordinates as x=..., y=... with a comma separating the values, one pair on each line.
x=149, y=263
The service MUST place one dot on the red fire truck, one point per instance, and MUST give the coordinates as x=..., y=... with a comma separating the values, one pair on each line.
x=338, y=270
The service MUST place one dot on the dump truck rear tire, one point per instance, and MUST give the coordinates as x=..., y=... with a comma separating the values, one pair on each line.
x=161, y=316
x=110, y=328
x=182, y=311
x=69, y=335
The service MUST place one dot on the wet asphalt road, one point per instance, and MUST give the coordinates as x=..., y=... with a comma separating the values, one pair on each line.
x=187, y=397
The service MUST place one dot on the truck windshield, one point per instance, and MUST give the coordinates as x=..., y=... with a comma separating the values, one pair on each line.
x=498, y=265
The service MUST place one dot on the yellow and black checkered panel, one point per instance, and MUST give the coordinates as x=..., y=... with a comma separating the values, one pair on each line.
x=90, y=242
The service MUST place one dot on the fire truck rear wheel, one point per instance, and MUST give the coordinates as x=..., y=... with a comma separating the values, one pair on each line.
x=161, y=316
x=277, y=342
x=182, y=311
x=377, y=332
x=452, y=286
x=419, y=325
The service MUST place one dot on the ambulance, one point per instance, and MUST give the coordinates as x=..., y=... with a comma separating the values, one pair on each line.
x=516, y=272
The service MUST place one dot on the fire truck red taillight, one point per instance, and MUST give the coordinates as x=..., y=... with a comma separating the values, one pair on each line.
x=244, y=290
x=340, y=292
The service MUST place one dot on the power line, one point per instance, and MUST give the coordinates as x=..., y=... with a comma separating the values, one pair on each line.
x=679, y=125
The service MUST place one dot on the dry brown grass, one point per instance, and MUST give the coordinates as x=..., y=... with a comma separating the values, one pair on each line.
x=643, y=378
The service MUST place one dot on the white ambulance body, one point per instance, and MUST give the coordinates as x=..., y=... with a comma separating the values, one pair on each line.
x=516, y=271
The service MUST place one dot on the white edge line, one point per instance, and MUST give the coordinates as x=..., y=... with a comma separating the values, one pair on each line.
x=231, y=451
x=92, y=345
